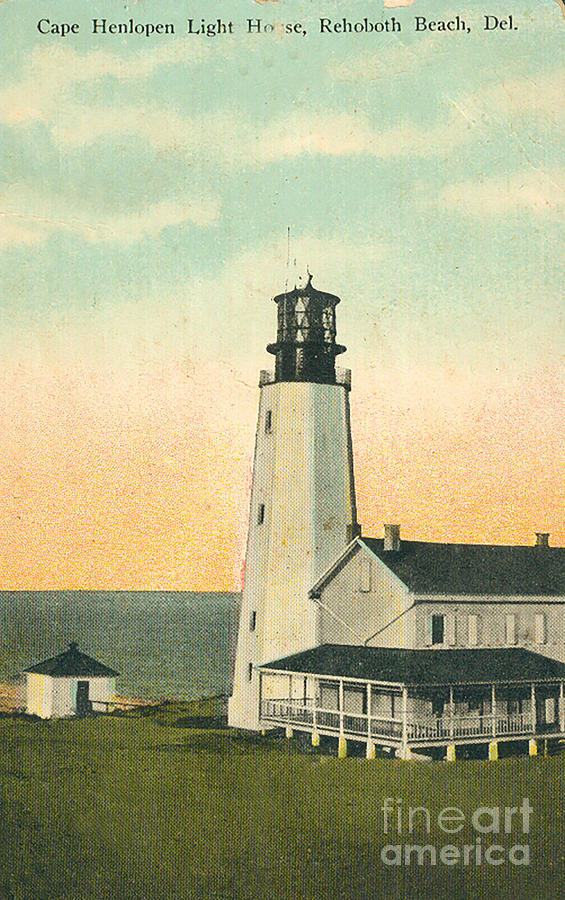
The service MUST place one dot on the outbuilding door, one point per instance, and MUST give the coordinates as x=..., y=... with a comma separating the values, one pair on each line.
x=83, y=701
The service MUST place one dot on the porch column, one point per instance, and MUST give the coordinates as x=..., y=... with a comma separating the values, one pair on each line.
x=561, y=708
x=451, y=714
x=493, y=708
x=315, y=735
x=370, y=744
x=341, y=741
x=405, y=754
x=288, y=725
x=532, y=743
x=260, y=694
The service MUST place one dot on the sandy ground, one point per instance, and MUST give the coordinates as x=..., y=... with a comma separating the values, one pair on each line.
x=12, y=699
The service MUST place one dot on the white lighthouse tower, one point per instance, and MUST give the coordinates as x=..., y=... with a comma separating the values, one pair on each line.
x=303, y=511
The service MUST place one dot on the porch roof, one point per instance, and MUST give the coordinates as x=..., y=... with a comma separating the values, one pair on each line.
x=418, y=667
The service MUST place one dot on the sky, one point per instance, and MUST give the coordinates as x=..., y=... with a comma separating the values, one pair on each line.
x=147, y=187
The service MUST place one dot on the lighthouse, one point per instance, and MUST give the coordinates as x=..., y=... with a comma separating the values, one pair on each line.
x=302, y=510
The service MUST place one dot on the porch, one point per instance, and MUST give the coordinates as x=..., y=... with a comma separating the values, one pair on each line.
x=405, y=714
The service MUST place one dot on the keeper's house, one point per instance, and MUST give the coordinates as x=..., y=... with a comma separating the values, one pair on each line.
x=425, y=645
x=68, y=685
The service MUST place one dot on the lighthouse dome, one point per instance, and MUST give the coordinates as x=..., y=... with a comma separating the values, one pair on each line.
x=306, y=346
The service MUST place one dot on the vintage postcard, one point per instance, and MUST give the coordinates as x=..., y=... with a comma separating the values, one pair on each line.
x=282, y=466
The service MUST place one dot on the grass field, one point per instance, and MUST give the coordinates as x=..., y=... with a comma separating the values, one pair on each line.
x=136, y=807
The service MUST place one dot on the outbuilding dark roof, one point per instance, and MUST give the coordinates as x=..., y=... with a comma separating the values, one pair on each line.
x=476, y=569
x=419, y=667
x=72, y=662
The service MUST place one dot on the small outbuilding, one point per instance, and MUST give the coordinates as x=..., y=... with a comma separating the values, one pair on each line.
x=68, y=685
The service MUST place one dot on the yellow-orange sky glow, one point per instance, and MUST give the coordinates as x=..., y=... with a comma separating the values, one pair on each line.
x=148, y=188
x=107, y=490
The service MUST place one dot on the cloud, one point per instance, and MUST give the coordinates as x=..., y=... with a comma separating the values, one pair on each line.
x=52, y=73
x=162, y=128
x=16, y=231
x=392, y=59
x=539, y=193
x=346, y=134
x=539, y=98
x=28, y=217
x=303, y=133
x=227, y=138
x=339, y=134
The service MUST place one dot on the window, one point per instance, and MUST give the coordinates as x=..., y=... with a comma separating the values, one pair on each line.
x=437, y=629
x=539, y=628
x=250, y=671
x=473, y=635
x=549, y=710
x=261, y=514
x=438, y=704
x=355, y=701
x=329, y=696
x=510, y=628
x=449, y=636
x=253, y=621
x=515, y=706
x=268, y=421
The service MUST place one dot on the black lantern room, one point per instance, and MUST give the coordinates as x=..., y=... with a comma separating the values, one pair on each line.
x=306, y=336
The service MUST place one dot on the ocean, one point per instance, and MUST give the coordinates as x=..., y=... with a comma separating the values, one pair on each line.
x=165, y=644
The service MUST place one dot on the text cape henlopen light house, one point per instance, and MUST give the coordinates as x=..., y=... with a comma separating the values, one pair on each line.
x=402, y=645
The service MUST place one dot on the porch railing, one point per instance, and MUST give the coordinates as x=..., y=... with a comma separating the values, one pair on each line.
x=513, y=724
x=286, y=712
x=296, y=712
x=468, y=726
x=342, y=376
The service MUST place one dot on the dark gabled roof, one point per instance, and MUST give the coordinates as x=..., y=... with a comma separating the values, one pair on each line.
x=476, y=569
x=72, y=662
x=399, y=666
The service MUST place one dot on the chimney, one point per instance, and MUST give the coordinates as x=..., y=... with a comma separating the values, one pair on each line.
x=542, y=539
x=392, y=538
